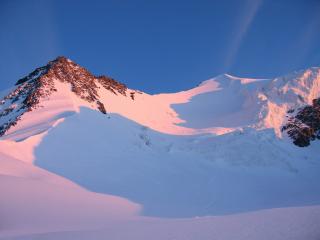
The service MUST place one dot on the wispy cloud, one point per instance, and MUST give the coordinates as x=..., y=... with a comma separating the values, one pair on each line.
x=244, y=21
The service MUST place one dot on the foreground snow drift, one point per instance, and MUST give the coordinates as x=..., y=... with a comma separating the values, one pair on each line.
x=34, y=200
x=275, y=224
x=35, y=204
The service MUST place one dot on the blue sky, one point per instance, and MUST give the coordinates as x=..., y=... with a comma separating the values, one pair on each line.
x=160, y=46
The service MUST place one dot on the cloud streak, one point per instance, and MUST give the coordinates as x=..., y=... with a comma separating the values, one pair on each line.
x=246, y=18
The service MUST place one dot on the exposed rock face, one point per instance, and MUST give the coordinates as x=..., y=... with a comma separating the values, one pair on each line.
x=112, y=85
x=40, y=84
x=305, y=125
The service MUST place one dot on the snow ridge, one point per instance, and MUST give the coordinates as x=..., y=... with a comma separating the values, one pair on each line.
x=217, y=106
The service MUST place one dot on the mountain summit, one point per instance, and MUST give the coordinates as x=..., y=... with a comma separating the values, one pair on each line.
x=41, y=84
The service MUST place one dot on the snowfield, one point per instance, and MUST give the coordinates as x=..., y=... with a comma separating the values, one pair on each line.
x=207, y=163
x=279, y=224
x=181, y=176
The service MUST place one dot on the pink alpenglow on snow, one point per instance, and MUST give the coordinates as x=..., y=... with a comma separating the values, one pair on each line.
x=86, y=157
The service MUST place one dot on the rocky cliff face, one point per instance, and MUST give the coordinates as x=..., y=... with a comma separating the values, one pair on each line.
x=41, y=84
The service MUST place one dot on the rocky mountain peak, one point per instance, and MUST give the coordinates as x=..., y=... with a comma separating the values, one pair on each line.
x=40, y=84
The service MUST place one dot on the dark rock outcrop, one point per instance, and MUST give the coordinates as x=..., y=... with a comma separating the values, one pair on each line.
x=304, y=127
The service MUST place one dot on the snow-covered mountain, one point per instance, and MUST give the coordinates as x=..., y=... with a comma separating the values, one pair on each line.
x=80, y=152
x=220, y=105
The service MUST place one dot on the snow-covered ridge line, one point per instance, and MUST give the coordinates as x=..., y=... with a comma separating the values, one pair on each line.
x=217, y=106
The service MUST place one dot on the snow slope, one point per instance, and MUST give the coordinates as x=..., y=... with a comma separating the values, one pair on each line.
x=276, y=224
x=38, y=205
x=174, y=176
x=35, y=204
x=216, y=149
x=34, y=200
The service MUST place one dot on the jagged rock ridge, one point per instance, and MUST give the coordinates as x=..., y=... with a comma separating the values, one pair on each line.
x=40, y=84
